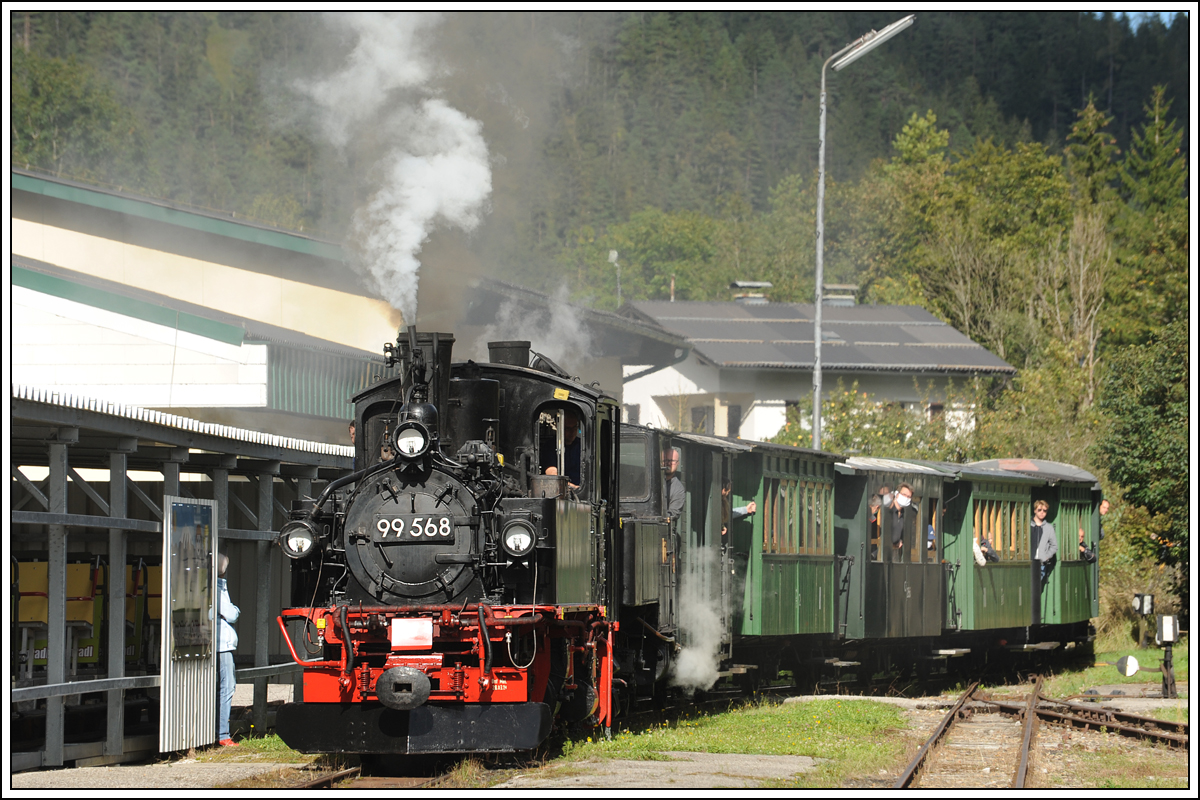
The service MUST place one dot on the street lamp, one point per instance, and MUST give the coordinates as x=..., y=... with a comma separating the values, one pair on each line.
x=847, y=55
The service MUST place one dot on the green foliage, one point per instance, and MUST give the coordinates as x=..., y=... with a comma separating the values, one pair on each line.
x=65, y=119
x=1129, y=564
x=1145, y=445
x=920, y=143
x=1044, y=415
x=1090, y=156
x=854, y=422
x=1150, y=289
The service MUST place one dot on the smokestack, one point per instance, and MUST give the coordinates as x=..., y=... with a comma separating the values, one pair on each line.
x=750, y=298
x=840, y=294
x=514, y=354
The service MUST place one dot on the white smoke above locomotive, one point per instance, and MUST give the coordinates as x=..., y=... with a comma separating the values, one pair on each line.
x=435, y=170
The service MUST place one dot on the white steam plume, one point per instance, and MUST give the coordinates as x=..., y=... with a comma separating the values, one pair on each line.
x=436, y=171
x=700, y=622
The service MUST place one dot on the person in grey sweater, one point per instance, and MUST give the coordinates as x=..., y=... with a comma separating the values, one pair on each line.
x=1045, y=538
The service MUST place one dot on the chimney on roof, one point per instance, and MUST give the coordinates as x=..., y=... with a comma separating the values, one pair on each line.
x=840, y=294
x=744, y=292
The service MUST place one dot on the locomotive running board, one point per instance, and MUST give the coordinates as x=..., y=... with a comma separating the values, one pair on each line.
x=357, y=728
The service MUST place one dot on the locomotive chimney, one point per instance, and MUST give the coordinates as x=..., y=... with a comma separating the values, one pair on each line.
x=437, y=349
x=515, y=354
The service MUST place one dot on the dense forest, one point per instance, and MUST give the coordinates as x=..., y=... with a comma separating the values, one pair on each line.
x=1022, y=175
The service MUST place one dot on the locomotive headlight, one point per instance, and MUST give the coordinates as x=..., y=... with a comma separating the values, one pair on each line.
x=411, y=440
x=297, y=539
x=518, y=538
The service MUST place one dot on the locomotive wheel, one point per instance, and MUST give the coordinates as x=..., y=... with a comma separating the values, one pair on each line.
x=581, y=704
x=750, y=682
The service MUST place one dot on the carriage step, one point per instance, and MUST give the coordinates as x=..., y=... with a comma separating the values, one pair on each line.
x=1029, y=648
x=951, y=653
x=736, y=669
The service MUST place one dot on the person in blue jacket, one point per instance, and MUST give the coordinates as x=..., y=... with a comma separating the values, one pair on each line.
x=226, y=643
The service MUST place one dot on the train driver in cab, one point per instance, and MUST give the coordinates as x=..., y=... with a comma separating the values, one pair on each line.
x=571, y=450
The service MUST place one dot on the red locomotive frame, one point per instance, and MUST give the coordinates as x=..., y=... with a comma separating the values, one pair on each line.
x=455, y=634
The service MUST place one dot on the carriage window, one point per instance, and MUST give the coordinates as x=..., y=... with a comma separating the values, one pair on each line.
x=634, y=473
x=1004, y=526
x=1072, y=518
x=929, y=523
x=796, y=517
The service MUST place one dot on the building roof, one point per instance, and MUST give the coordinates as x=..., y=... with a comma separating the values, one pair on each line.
x=780, y=336
x=157, y=210
x=35, y=408
x=1053, y=471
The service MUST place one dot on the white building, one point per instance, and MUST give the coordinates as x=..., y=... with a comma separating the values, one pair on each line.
x=749, y=361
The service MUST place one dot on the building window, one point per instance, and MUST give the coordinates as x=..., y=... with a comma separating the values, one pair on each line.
x=702, y=419
x=735, y=422
x=936, y=410
x=633, y=414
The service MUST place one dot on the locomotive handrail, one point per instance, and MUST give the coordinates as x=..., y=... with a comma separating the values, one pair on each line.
x=487, y=640
x=287, y=638
x=363, y=473
x=347, y=643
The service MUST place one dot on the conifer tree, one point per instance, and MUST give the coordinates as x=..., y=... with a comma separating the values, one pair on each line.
x=1091, y=151
x=1150, y=289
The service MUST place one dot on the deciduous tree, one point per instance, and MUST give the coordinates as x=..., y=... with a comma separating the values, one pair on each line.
x=1145, y=443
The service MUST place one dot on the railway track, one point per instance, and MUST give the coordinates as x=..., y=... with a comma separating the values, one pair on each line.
x=987, y=743
x=974, y=745
x=357, y=780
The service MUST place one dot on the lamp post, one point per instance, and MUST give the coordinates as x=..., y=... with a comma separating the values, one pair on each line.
x=847, y=55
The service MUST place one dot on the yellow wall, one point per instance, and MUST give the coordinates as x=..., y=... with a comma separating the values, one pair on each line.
x=328, y=314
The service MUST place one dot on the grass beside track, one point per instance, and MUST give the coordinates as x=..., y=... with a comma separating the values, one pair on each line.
x=850, y=737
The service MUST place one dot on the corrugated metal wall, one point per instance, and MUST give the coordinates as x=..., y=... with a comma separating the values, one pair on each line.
x=315, y=383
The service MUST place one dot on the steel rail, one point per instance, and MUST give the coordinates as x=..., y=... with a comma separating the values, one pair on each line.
x=326, y=781
x=1029, y=730
x=909, y=775
x=1111, y=723
x=1135, y=720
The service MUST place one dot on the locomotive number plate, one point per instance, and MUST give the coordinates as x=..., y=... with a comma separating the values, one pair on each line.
x=412, y=529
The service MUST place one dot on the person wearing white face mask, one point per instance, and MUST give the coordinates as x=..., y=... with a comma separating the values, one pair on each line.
x=899, y=519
